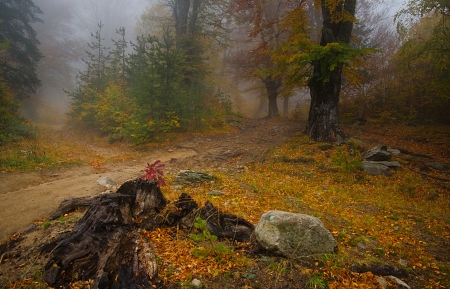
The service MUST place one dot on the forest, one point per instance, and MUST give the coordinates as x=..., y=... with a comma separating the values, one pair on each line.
x=280, y=100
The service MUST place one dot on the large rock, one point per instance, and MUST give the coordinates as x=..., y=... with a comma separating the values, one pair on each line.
x=378, y=153
x=293, y=235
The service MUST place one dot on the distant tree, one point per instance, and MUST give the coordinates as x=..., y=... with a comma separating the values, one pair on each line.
x=261, y=21
x=420, y=89
x=19, y=55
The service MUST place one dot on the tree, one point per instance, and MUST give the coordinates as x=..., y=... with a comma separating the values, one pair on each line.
x=19, y=55
x=263, y=20
x=420, y=90
x=325, y=83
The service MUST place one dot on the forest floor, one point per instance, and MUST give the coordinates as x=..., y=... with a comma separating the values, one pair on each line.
x=261, y=165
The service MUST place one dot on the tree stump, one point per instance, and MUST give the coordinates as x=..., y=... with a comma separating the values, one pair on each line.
x=105, y=246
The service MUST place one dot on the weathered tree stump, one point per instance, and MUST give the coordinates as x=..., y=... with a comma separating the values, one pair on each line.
x=105, y=245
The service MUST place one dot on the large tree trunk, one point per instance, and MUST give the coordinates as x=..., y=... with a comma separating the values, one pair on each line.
x=323, y=122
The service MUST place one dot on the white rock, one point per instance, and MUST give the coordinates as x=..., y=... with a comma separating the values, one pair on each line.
x=107, y=182
x=383, y=283
x=196, y=283
x=399, y=282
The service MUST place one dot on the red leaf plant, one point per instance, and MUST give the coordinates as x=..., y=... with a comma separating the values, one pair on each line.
x=154, y=172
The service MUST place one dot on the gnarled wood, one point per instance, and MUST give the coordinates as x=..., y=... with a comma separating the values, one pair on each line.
x=106, y=246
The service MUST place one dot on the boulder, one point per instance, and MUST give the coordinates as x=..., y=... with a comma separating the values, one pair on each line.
x=293, y=235
x=188, y=177
x=375, y=169
x=378, y=153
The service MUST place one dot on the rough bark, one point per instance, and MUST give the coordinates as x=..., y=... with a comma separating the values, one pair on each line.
x=323, y=123
x=105, y=246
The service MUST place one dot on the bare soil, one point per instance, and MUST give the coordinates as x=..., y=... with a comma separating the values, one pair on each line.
x=29, y=197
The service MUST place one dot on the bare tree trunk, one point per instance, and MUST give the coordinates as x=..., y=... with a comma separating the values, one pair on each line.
x=323, y=123
x=272, y=86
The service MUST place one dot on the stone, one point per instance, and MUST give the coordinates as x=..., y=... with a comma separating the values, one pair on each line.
x=399, y=282
x=196, y=283
x=382, y=282
x=378, y=153
x=390, y=164
x=362, y=246
x=216, y=193
x=107, y=182
x=293, y=235
x=188, y=177
x=403, y=262
x=376, y=169
x=393, y=151
x=438, y=166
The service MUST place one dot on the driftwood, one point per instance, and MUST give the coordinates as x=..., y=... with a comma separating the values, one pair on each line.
x=106, y=247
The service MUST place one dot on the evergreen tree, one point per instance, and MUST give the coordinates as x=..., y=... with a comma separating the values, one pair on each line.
x=19, y=53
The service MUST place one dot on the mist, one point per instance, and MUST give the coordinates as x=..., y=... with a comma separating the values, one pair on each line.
x=64, y=35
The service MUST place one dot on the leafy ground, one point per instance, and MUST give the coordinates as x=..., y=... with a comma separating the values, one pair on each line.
x=401, y=220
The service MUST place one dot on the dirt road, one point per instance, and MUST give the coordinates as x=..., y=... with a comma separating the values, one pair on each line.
x=28, y=197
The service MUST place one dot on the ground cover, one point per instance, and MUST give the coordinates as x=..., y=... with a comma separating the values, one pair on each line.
x=401, y=220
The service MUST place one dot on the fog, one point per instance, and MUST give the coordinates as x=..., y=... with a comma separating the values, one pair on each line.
x=64, y=35
x=67, y=30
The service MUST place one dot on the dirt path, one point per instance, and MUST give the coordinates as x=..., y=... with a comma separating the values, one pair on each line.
x=28, y=197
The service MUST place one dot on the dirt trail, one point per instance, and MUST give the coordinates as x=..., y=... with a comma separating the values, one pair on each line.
x=28, y=197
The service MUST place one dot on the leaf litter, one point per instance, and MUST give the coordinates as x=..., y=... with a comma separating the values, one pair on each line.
x=401, y=220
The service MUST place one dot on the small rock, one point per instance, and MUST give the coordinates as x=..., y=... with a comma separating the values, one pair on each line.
x=438, y=166
x=196, y=283
x=383, y=283
x=391, y=164
x=54, y=175
x=192, y=177
x=399, y=282
x=170, y=150
x=361, y=246
x=378, y=153
x=216, y=193
x=107, y=182
x=376, y=169
x=403, y=262
x=393, y=151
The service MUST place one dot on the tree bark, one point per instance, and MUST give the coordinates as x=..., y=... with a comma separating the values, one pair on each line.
x=106, y=248
x=272, y=86
x=323, y=122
